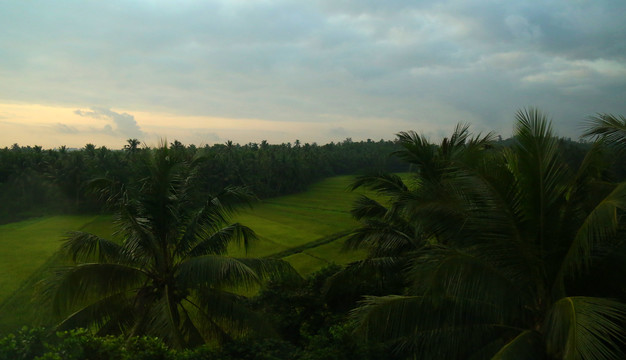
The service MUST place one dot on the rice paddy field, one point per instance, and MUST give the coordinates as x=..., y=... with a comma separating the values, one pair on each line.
x=306, y=229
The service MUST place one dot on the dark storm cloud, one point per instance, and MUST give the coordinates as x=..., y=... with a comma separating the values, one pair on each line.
x=422, y=61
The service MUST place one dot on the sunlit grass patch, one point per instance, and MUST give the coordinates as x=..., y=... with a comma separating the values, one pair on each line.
x=298, y=219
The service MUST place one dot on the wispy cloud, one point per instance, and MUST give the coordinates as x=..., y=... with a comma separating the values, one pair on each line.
x=65, y=129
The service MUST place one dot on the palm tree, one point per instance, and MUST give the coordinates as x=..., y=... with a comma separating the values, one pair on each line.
x=609, y=128
x=170, y=276
x=387, y=232
x=503, y=243
x=132, y=146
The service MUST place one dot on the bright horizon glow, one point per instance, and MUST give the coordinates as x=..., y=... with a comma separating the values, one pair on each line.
x=56, y=126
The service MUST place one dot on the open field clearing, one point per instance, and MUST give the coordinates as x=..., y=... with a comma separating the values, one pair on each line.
x=294, y=220
x=27, y=245
x=305, y=229
x=27, y=250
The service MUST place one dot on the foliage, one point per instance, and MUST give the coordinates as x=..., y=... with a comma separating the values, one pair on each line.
x=80, y=344
x=503, y=250
x=302, y=315
x=35, y=182
x=26, y=344
x=307, y=222
x=494, y=247
x=170, y=277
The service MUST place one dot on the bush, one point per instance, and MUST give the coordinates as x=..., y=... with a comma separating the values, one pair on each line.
x=25, y=345
x=80, y=344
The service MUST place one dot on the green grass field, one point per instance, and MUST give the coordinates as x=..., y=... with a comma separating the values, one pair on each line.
x=304, y=229
x=27, y=245
x=294, y=220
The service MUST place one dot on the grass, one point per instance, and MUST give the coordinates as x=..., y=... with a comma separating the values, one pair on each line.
x=28, y=251
x=305, y=229
x=294, y=220
x=27, y=245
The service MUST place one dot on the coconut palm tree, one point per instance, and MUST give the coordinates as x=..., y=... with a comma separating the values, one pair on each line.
x=388, y=233
x=609, y=128
x=170, y=276
x=503, y=243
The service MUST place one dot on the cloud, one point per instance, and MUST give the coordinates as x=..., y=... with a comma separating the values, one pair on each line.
x=125, y=123
x=298, y=62
x=521, y=28
x=338, y=131
x=204, y=137
x=65, y=129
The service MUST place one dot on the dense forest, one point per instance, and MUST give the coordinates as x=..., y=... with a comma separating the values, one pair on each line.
x=34, y=181
x=476, y=248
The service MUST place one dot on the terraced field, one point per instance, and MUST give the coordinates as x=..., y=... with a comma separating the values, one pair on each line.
x=305, y=229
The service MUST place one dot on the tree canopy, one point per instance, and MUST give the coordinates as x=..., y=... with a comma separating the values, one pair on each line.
x=497, y=246
x=170, y=276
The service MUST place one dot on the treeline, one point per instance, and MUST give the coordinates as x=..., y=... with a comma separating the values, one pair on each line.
x=34, y=181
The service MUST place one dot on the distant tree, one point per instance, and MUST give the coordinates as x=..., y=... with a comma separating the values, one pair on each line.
x=132, y=145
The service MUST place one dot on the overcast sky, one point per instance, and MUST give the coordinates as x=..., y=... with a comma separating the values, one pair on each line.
x=78, y=72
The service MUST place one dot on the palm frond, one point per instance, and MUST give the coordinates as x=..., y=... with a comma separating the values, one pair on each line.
x=610, y=128
x=381, y=238
x=539, y=173
x=102, y=312
x=414, y=324
x=527, y=345
x=135, y=229
x=215, y=271
x=85, y=247
x=73, y=286
x=365, y=207
x=586, y=328
x=162, y=321
x=383, y=183
x=217, y=242
x=205, y=323
x=233, y=197
x=271, y=269
x=449, y=272
x=417, y=149
x=225, y=311
x=599, y=227
x=105, y=189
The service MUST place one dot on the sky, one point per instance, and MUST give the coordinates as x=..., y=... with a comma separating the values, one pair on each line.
x=205, y=72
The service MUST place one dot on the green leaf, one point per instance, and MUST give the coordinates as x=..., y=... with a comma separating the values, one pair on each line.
x=586, y=328
x=527, y=345
x=85, y=247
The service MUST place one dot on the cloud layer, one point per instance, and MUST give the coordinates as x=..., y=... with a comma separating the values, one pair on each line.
x=421, y=64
